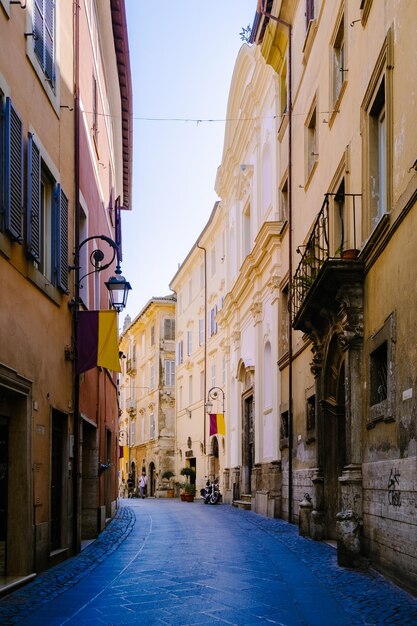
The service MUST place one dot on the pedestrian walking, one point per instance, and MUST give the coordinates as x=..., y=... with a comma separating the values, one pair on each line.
x=123, y=489
x=143, y=481
x=130, y=486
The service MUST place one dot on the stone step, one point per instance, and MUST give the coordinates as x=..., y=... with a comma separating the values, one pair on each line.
x=242, y=504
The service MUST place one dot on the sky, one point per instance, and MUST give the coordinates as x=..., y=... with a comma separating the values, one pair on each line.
x=182, y=56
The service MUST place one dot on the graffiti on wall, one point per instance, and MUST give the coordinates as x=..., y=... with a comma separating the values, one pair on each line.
x=394, y=493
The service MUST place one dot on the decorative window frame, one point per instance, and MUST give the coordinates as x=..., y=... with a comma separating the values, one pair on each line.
x=382, y=71
x=334, y=104
x=382, y=411
x=310, y=169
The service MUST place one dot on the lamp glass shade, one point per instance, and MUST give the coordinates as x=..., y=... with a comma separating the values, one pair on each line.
x=119, y=289
x=209, y=407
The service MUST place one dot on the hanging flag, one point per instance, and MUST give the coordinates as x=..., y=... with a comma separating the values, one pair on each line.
x=97, y=341
x=217, y=425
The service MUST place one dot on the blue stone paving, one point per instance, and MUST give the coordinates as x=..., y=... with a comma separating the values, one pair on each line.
x=166, y=562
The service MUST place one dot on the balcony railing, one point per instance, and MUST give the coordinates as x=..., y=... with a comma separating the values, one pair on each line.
x=334, y=236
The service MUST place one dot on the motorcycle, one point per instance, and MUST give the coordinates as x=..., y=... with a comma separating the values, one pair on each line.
x=211, y=492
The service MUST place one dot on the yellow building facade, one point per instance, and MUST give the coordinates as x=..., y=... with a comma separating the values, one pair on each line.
x=147, y=396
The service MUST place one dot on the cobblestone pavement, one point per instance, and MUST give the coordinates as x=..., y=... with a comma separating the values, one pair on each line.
x=165, y=562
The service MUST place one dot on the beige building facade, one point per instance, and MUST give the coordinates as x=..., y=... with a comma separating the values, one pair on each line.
x=247, y=185
x=347, y=147
x=201, y=362
x=147, y=395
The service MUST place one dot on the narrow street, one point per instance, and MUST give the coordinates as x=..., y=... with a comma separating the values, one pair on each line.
x=169, y=562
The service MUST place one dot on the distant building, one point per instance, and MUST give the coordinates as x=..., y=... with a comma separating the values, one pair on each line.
x=201, y=363
x=147, y=395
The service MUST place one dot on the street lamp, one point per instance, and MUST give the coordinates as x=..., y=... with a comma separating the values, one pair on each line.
x=118, y=289
x=213, y=394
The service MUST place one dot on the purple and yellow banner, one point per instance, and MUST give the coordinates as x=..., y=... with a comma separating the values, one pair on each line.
x=97, y=341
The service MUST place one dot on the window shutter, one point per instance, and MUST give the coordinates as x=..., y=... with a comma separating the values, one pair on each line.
x=62, y=241
x=14, y=173
x=49, y=18
x=33, y=200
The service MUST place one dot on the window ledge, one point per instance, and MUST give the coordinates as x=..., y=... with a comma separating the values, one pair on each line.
x=44, y=285
x=336, y=104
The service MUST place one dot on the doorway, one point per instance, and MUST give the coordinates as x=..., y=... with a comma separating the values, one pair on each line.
x=334, y=451
x=152, y=480
x=56, y=481
x=248, y=444
x=4, y=470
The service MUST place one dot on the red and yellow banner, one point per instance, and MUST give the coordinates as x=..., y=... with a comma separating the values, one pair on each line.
x=217, y=425
x=97, y=341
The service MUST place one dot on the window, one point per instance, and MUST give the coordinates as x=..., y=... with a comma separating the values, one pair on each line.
x=152, y=426
x=169, y=369
x=381, y=368
x=338, y=71
x=283, y=93
x=283, y=324
x=311, y=413
x=180, y=352
x=378, y=160
x=213, y=375
x=213, y=324
x=283, y=201
x=153, y=335
x=379, y=374
x=47, y=220
x=11, y=181
x=201, y=332
x=189, y=342
x=169, y=329
x=152, y=377
x=340, y=222
x=310, y=12
x=132, y=433
x=311, y=141
x=246, y=231
x=284, y=428
x=377, y=142
x=44, y=36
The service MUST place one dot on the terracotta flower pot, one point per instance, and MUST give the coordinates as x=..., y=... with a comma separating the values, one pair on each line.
x=350, y=254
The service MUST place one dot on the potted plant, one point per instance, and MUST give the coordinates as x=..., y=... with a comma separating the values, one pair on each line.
x=189, y=487
x=168, y=475
x=181, y=490
x=189, y=492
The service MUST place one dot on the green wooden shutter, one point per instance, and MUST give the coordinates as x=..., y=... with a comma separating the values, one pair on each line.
x=33, y=222
x=13, y=184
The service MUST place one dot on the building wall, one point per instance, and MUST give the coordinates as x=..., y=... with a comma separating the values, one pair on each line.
x=375, y=466
x=35, y=319
x=247, y=184
x=200, y=287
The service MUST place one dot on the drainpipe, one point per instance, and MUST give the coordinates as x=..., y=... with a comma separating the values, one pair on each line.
x=288, y=26
x=205, y=347
x=76, y=426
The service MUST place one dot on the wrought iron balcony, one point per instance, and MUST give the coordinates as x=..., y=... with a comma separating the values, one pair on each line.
x=330, y=257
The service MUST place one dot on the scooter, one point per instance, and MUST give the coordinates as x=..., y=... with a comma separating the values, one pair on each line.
x=211, y=492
